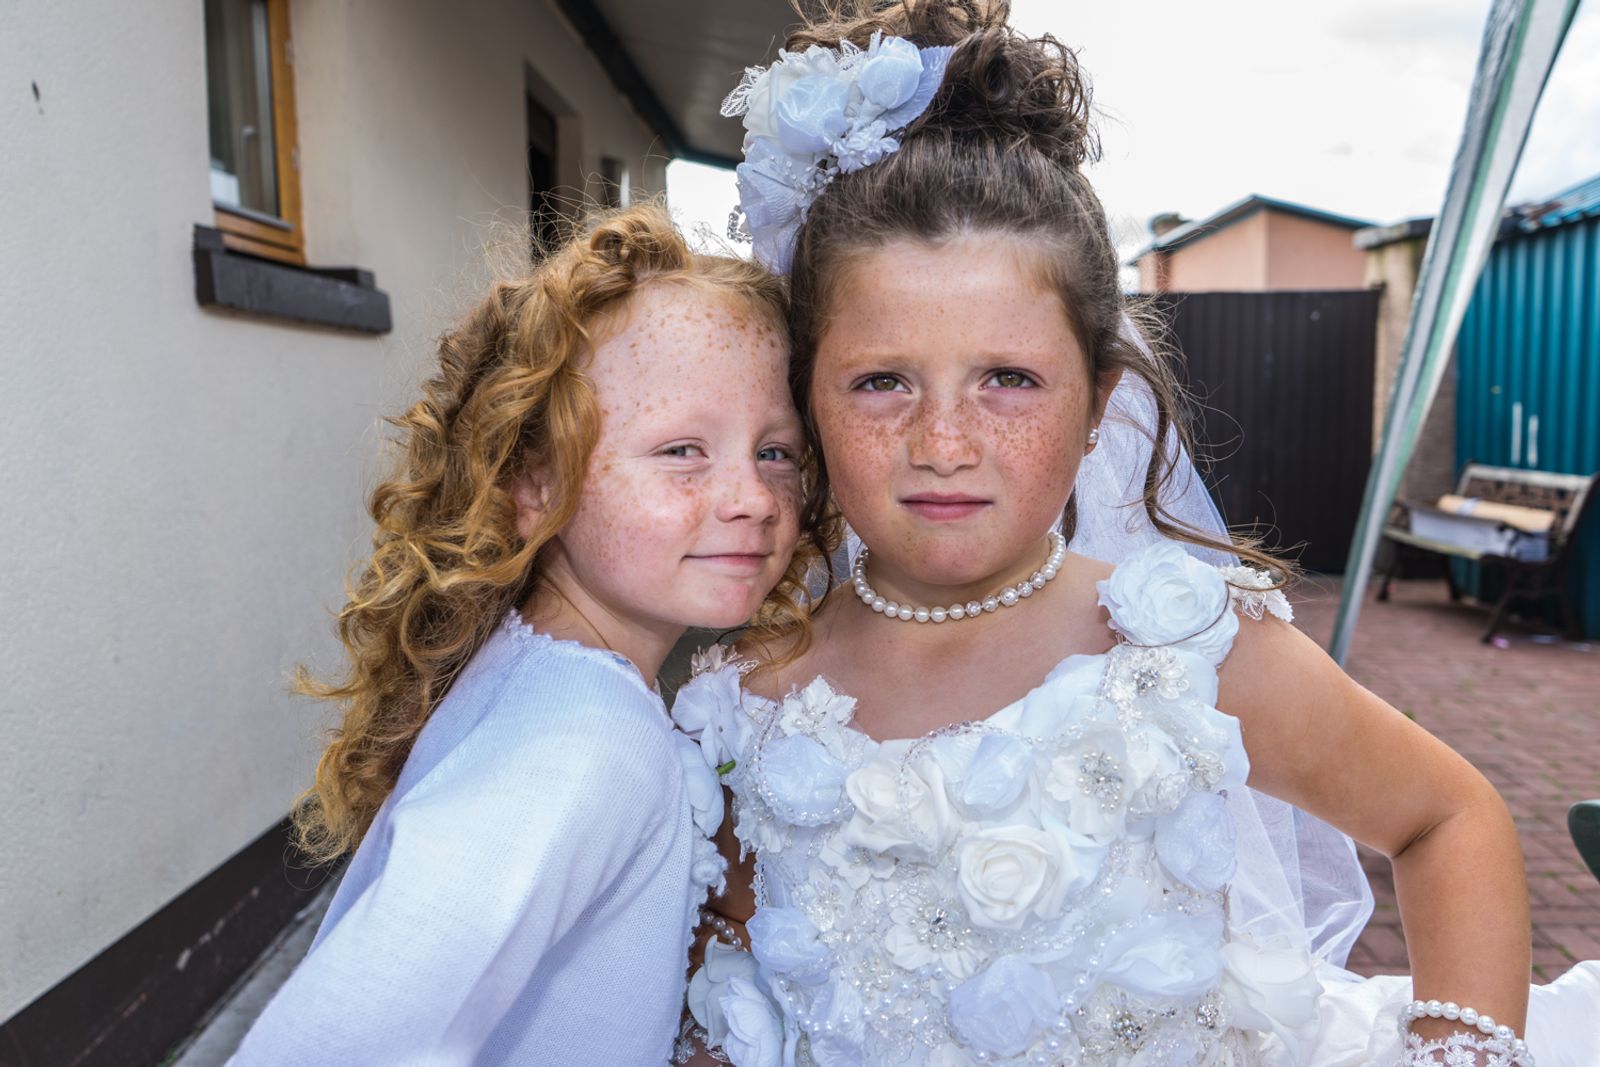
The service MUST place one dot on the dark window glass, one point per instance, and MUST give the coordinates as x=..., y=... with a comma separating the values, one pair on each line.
x=244, y=172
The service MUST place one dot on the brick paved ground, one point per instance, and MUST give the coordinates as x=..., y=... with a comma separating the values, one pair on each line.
x=1527, y=715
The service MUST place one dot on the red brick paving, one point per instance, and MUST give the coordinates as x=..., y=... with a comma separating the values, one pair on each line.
x=1527, y=715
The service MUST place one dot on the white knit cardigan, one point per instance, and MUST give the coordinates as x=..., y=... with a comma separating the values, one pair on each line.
x=524, y=895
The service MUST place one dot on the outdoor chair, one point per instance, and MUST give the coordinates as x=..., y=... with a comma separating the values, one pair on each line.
x=1512, y=504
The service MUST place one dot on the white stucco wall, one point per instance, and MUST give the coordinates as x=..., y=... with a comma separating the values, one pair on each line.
x=181, y=489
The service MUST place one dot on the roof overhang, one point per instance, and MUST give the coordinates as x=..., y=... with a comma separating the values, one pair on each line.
x=675, y=61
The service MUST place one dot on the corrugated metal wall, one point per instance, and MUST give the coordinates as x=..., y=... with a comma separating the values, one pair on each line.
x=1528, y=360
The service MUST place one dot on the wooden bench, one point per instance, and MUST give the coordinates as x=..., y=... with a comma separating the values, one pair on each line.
x=1564, y=496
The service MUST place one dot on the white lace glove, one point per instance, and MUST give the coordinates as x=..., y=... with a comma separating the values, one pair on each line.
x=1486, y=1046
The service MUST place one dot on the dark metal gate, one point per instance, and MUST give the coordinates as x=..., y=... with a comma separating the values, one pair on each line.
x=1282, y=384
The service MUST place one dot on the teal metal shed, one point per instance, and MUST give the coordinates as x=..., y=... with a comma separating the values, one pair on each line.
x=1528, y=360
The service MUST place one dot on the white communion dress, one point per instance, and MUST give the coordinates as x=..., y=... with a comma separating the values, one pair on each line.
x=1075, y=879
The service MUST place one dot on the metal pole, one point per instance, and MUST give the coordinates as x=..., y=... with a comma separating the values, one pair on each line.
x=1520, y=43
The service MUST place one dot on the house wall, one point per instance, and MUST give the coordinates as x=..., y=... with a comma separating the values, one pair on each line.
x=1153, y=272
x=1265, y=251
x=1233, y=259
x=183, y=486
x=1394, y=267
x=1303, y=253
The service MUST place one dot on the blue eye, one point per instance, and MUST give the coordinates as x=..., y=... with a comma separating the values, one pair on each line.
x=1010, y=379
x=682, y=451
x=774, y=454
x=879, y=383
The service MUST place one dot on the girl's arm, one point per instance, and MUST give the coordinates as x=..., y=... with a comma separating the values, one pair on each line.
x=492, y=860
x=1320, y=741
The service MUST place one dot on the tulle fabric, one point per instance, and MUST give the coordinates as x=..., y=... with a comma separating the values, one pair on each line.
x=1300, y=882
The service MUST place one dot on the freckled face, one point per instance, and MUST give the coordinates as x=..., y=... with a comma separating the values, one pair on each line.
x=953, y=404
x=688, y=512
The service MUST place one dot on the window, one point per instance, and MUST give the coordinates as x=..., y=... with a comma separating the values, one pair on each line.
x=255, y=186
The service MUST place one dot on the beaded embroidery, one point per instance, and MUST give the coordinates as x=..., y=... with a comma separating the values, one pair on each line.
x=998, y=892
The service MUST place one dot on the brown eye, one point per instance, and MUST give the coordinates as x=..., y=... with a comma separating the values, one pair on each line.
x=1010, y=379
x=879, y=383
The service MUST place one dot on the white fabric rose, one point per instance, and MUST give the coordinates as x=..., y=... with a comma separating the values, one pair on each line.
x=755, y=1025
x=1197, y=843
x=811, y=114
x=854, y=866
x=902, y=809
x=1167, y=954
x=710, y=709
x=891, y=72
x=787, y=943
x=710, y=983
x=703, y=786
x=1002, y=1009
x=804, y=783
x=1161, y=595
x=1271, y=990
x=1094, y=780
x=1007, y=873
x=769, y=90
x=987, y=773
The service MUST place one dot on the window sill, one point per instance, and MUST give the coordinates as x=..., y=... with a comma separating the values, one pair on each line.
x=342, y=297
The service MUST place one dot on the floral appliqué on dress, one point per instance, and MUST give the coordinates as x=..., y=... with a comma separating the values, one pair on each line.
x=1048, y=885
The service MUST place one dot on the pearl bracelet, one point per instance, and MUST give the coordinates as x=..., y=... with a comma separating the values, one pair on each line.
x=1502, y=1042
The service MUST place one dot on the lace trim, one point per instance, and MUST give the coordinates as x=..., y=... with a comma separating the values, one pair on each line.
x=524, y=633
x=713, y=658
x=1461, y=1050
x=693, y=1038
x=1252, y=593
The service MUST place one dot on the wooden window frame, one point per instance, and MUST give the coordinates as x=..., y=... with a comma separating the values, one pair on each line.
x=243, y=231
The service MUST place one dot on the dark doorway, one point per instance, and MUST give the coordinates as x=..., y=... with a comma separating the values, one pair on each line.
x=1283, y=390
x=545, y=217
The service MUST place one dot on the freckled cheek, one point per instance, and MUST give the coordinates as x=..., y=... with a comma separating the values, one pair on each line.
x=1038, y=454
x=860, y=447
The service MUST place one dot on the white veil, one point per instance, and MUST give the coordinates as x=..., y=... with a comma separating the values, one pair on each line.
x=1299, y=880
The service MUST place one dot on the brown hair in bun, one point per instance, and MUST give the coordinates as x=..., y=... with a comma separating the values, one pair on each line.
x=1000, y=149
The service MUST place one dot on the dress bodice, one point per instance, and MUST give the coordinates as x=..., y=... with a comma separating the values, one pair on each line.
x=1049, y=884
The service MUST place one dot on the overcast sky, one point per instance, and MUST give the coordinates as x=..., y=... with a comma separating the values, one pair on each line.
x=1351, y=106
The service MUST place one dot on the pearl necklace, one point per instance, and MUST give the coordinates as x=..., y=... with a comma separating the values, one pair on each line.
x=1006, y=598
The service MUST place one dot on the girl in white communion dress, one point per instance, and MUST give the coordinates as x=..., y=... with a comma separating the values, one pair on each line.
x=1008, y=804
x=607, y=455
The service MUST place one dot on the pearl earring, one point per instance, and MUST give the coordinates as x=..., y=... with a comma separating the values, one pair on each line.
x=1094, y=437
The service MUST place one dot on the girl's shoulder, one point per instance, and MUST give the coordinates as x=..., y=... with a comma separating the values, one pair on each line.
x=529, y=702
x=1162, y=596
